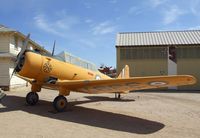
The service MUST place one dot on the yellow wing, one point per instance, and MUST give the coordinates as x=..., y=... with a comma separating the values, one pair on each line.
x=123, y=85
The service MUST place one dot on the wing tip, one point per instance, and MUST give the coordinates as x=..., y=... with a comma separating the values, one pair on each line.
x=191, y=79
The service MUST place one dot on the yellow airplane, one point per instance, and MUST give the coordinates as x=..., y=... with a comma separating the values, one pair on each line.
x=43, y=71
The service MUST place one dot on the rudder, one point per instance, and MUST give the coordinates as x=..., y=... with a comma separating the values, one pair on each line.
x=124, y=73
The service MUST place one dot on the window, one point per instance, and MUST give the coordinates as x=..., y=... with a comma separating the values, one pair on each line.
x=188, y=52
x=142, y=53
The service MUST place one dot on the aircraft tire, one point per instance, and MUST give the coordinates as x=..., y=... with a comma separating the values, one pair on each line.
x=60, y=103
x=32, y=98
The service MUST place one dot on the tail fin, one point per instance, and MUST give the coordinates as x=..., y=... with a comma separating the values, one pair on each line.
x=124, y=73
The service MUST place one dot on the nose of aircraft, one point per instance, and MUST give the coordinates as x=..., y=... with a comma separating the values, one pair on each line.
x=27, y=63
x=30, y=65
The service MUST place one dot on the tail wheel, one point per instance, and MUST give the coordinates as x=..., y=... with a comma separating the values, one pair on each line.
x=32, y=98
x=60, y=103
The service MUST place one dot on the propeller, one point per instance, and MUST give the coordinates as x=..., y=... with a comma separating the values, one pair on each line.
x=20, y=56
x=54, y=44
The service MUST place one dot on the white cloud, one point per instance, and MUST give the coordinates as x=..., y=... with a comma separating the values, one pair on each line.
x=134, y=10
x=87, y=43
x=103, y=28
x=156, y=3
x=144, y=6
x=194, y=7
x=87, y=5
x=43, y=24
x=57, y=27
x=113, y=1
x=88, y=21
x=172, y=14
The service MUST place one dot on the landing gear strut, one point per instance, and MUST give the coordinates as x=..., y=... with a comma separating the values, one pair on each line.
x=60, y=103
x=117, y=96
x=32, y=98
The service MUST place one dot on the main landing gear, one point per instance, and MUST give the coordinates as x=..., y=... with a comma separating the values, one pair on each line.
x=60, y=103
x=32, y=98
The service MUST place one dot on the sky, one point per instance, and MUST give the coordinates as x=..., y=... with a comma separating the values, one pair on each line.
x=88, y=28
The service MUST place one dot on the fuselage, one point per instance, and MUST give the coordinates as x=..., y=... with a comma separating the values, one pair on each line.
x=44, y=68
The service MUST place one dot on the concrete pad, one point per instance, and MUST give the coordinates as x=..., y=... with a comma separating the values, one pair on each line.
x=140, y=114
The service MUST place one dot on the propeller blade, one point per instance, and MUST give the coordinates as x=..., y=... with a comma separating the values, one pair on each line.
x=53, y=48
x=19, y=56
x=12, y=73
x=23, y=49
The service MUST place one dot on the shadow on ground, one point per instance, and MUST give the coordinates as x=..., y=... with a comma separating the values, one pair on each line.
x=86, y=116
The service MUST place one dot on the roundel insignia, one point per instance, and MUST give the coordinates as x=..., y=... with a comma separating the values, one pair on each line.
x=47, y=67
x=97, y=77
x=158, y=83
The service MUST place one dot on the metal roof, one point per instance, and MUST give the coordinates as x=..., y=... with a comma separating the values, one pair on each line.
x=4, y=29
x=186, y=37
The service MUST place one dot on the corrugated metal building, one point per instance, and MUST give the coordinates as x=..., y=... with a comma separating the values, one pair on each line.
x=160, y=53
x=11, y=42
x=68, y=57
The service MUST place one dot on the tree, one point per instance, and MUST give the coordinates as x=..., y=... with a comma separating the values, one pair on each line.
x=110, y=71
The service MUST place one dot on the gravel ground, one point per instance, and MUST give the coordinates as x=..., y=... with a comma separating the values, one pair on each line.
x=139, y=114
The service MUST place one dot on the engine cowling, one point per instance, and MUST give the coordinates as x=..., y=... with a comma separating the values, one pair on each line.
x=30, y=65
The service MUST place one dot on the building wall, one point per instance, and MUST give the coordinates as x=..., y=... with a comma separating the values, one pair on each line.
x=6, y=69
x=4, y=61
x=188, y=62
x=9, y=43
x=15, y=44
x=4, y=43
x=4, y=72
x=14, y=81
x=143, y=67
x=190, y=67
x=140, y=68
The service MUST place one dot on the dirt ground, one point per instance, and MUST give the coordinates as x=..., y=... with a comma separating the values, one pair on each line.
x=140, y=114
